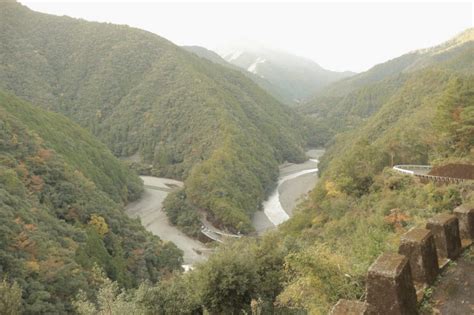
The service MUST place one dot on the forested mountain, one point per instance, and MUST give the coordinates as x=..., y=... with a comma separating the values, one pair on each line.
x=61, y=213
x=296, y=78
x=360, y=207
x=348, y=103
x=143, y=96
x=273, y=90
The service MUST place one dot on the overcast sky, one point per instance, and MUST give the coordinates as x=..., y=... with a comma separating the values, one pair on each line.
x=339, y=36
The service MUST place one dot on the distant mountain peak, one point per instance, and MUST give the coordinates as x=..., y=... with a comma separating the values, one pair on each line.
x=253, y=67
x=296, y=77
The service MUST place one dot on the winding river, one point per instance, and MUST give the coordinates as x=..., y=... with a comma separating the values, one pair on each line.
x=295, y=181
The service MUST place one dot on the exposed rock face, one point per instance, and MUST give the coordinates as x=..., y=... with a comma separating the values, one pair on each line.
x=418, y=245
x=390, y=288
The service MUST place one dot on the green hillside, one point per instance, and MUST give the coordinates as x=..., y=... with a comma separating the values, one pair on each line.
x=360, y=207
x=60, y=212
x=81, y=151
x=348, y=103
x=145, y=97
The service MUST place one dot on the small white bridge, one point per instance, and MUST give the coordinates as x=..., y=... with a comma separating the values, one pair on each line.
x=422, y=171
x=217, y=235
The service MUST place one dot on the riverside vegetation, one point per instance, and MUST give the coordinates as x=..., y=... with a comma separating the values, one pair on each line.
x=66, y=244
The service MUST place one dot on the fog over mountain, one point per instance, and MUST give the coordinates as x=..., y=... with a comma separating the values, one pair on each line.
x=297, y=78
x=338, y=36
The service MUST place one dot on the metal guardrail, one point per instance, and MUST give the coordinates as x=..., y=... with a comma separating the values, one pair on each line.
x=411, y=170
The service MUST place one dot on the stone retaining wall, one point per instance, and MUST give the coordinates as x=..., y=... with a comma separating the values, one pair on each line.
x=395, y=281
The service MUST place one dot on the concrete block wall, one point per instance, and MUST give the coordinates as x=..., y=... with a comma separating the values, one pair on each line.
x=393, y=279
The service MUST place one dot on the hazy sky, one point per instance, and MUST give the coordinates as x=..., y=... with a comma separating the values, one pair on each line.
x=339, y=36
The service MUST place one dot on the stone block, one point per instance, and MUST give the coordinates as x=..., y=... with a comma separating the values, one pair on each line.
x=419, y=247
x=390, y=288
x=465, y=216
x=445, y=228
x=349, y=307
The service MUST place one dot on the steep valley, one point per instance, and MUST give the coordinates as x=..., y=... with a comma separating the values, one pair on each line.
x=189, y=118
x=142, y=177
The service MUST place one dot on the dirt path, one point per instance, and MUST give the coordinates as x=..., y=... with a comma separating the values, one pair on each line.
x=454, y=294
x=153, y=218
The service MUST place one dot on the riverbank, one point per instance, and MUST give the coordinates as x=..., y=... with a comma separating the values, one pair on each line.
x=154, y=219
x=295, y=181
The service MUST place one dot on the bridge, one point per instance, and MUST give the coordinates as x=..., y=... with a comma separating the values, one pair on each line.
x=422, y=171
x=217, y=235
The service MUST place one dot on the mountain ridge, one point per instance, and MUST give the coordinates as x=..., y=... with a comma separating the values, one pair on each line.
x=347, y=103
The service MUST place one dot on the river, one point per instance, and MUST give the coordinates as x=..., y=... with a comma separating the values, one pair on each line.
x=295, y=181
x=149, y=210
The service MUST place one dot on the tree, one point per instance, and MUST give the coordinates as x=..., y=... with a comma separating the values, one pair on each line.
x=110, y=300
x=99, y=224
x=10, y=298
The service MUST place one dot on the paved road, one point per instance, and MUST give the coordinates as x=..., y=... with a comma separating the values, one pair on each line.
x=153, y=218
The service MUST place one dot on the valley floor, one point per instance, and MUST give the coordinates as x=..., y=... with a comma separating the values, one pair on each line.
x=296, y=180
x=154, y=219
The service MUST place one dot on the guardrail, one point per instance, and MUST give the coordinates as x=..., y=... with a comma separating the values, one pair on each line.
x=414, y=170
x=395, y=281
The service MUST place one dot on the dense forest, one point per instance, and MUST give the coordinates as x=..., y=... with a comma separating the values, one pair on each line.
x=143, y=96
x=61, y=213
